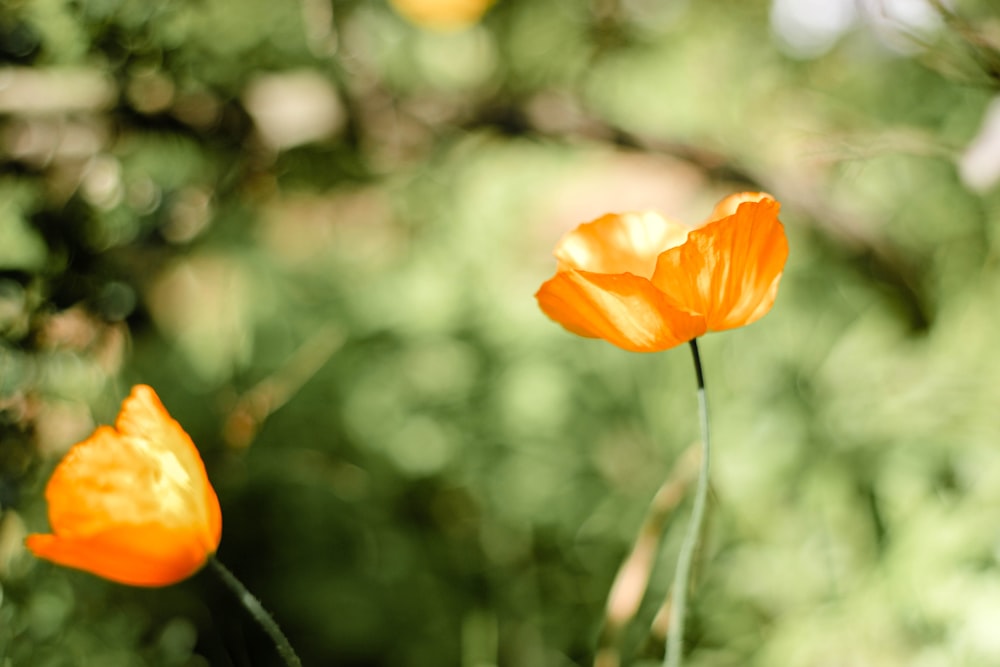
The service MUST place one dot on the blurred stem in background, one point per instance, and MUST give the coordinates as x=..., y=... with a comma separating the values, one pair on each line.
x=632, y=578
x=675, y=638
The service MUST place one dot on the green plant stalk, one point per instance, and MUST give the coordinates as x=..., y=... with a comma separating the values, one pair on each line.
x=253, y=605
x=674, y=656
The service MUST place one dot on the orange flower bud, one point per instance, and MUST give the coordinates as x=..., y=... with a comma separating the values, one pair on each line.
x=646, y=284
x=132, y=503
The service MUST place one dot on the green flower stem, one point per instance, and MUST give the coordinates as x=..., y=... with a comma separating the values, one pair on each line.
x=678, y=608
x=252, y=605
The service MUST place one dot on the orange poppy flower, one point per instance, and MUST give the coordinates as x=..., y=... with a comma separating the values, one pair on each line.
x=646, y=284
x=132, y=503
x=442, y=14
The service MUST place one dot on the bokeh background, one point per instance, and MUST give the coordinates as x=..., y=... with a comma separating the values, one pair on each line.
x=316, y=228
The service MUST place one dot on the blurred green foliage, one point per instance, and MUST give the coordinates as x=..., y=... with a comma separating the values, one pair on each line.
x=316, y=228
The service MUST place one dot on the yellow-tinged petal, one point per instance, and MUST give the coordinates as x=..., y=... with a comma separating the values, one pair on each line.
x=729, y=269
x=623, y=309
x=442, y=14
x=619, y=243
x=132, y=503
x=730, y=204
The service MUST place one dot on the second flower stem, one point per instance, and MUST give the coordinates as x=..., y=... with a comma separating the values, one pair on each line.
x=678, y=608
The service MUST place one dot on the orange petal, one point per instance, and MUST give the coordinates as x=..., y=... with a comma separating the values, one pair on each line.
x=142, y=420
x=728, y=205
x=729, y=269
x=138, y=491
x=442, y=14
x=133, y=555
x=623, y=309
x=619, y=243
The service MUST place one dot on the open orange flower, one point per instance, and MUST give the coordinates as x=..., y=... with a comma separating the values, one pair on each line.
x=132, y=503
x=646, y=284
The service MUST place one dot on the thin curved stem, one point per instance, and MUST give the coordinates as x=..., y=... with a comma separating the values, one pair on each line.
x=675, y=638
x=252, y=605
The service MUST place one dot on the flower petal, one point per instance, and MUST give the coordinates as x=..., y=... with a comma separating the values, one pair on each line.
x=442, y=14
x=138, y=491
x=623, y=309
x=143, y=420
x=619, y=243
x=134, y=555
x=729, y=269
x=730, y=204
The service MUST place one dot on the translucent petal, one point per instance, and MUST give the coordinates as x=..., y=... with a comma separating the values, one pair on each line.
x=730, y=204
x=729, y=269
x=623, y=309
x=619, y=243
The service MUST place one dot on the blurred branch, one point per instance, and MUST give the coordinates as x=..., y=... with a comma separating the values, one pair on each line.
x=852, y=238
x=257, y=404
x=847, y=231
x=981, y=40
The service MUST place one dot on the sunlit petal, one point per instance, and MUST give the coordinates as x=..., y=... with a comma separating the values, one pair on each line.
x=623, y=309
x=730, y=204
x=144, y=420
x=729, y=269
x=619, y=243
x=132, y=503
